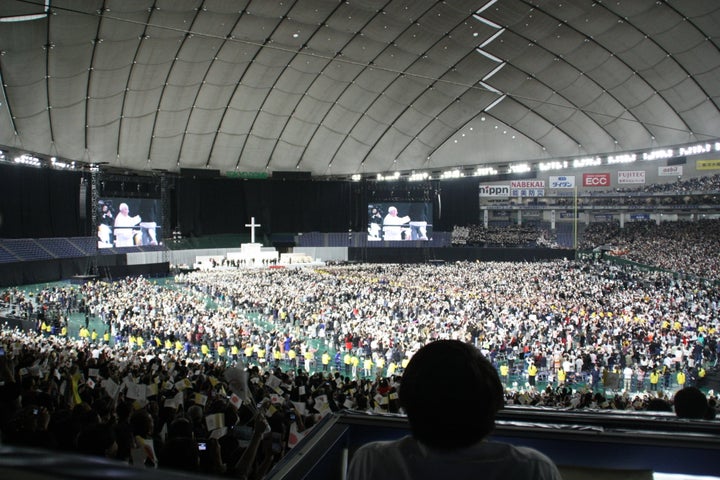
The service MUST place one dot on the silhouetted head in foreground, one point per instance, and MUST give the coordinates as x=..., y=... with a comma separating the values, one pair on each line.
x=451, y=394
x=690, y=402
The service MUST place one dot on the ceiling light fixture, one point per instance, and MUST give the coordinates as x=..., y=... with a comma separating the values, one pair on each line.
x=28, y=17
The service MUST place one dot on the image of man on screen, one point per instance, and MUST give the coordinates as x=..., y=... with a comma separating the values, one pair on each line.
x=375, y=224
x=394, y=226
x=126, y=227
x=105, y=223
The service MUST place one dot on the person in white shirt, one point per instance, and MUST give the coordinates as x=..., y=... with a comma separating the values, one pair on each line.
x=394, y=226
x=124, y=233
x=627, y=378
x=450, y=442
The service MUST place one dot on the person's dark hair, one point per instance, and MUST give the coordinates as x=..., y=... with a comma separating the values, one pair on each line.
x=180, y=453
x=97, y=440
x=180, y=428
x=690, y=402
x=451, y=394
x=141, y=423
x=658, y=405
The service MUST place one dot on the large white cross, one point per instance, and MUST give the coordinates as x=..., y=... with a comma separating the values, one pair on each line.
x=252, y=226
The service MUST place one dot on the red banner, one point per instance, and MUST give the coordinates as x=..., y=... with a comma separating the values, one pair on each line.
x=596, y=180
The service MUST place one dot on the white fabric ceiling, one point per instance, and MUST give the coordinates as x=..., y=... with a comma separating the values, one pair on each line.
x=337, y=88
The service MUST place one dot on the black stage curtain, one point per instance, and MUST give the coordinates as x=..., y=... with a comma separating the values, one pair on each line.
x=41, y=271
x=459, y=204
x=39, y=203
x=213, y=206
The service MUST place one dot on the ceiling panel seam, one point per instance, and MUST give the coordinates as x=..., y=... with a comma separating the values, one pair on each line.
x=259, y=110
x=612, y=54
x=400, y=75
x=309, y=86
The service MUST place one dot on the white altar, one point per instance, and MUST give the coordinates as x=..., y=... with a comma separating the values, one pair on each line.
x=254, y=254
x=251, y=254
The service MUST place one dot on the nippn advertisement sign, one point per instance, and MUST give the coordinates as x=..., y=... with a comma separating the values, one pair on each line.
x=596, y=180
x=495, y=190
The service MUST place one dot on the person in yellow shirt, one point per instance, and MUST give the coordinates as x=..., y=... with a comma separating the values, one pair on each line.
x=292, y=356
x=392, y=366
x=355, y=361
x=379, y=366
x=654, y=380
x=347, y=360
x=221, y=350
x=504, y=373
x=532, y=373
x=140, y=341
x=309, y=358
x=561, y=377
x=680, y=379
x=277, y=356
x=234, y=351
x=325, y=359
x=367, y=367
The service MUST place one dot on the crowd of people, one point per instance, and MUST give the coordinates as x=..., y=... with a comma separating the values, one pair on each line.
x=691, y=248
x=702, y=184
x=242, y=362
x=499, y=236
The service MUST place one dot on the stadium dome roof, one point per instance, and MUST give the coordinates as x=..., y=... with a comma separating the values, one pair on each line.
x=344, y=87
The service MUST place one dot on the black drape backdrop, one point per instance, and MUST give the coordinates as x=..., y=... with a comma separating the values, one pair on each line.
x=37, y=203
x=212, y=206
x=458, y=204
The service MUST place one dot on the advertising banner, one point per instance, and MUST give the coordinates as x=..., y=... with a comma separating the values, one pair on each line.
x=527, y=192
x=629, y=177
x=527, y=184
x=567, y=215
x=501, y=214
x=561, y=181
x=596, y=179
x=707, y=165
x=494, y=190
x=670, y=171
